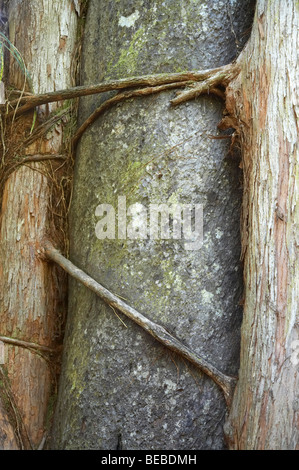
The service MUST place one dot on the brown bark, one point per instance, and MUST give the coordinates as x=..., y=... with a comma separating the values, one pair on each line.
x=31, y=291
x=27, y=297
x=264, y=98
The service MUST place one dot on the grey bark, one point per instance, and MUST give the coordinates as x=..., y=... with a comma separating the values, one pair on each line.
x=118, y=383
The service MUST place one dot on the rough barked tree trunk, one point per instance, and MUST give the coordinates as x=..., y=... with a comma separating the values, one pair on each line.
x=119, y=388
x=31, y=295
x=264, y=98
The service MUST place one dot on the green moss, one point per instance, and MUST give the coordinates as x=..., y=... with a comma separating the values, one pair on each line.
x=127, y=62
x=131, y=179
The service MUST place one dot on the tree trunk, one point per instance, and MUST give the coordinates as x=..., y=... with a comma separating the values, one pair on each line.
x=264, y=98
x=119, y=388
x=32, y=295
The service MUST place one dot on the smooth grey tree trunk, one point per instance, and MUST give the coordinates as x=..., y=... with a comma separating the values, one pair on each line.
x=119, y=387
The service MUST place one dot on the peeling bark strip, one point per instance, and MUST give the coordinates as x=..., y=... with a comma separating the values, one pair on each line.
x=226, y=383
x=264, y=413
x=31, y=293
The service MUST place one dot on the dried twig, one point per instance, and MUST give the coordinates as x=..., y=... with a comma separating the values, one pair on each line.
x=225, y=382
x=41, y=158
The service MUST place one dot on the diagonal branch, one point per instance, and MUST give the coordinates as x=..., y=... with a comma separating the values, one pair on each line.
x=28, y=344
x=225, y=382
x=30, y=102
